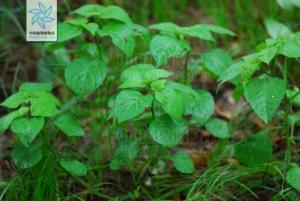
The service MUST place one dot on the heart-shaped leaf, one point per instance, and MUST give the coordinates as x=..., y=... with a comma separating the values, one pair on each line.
x=129, y=104
x=218, y=128
x=27, y=129
x=171, y=101
x=16, y=100
x=265, y=96
x=163, y=47
x=200, y=105
x=255, y=150
x=66, y=31
x=165, y=131
x=141, y=75
x=125, y=153
x=85, y=75
x=44, y=104
x=216, y=62
x=26, y=157
x=9, y=118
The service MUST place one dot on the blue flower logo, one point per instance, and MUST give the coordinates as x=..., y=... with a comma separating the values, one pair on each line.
x=41, y=15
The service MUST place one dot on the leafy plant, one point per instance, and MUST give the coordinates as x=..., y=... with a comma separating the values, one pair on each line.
x=120, y=71
x=256, y=77
x=35, y=108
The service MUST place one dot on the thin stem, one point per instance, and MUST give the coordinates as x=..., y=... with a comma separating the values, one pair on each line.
x=71, y=103
x=294, y=96
x=187, y=57
x=67, y=5
x=288, y=153
x=152, y=109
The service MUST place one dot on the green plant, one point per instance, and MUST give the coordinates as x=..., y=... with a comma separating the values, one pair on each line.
x=121, y=71
x=143, y=86
x=34, y=110
x=265, y=89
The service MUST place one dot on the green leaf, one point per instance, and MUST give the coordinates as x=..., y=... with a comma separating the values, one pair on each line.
x=26, y=157
x=15, y=100
x=291, y=46
x=89, y=10
x=265, y=96
x=109, y=12
x=134, y=76
x=66, y=31
x=92, y=28
x=166, y=27
x=74, y=167
x=183, y=163
x=129, y=104
x=8, y=119
x=216, y=62
x=165, y=131
x=293, y=177
x=252, y=62
x=32, y=87
x=116, y=13
x=232, y=72
x=156, y=74
x=288, y=4
x=171, y=101
x=249, y=67
x=201, y=106
x=27, y=129
x=182, y=88
x=218, y=29
x=198, y=31
x=294, y=118
x=218, y=128
x=141, y=75
x=85, y=75
x=163, y=47
x=158, y=85
x=125, y=153
x=78, y=21
x=202, y=31
x=44, y=104
x=276, y=29
x=69, y=125
x=123, y=35
x=255, y=150
x=267, y=55
x=88, y=50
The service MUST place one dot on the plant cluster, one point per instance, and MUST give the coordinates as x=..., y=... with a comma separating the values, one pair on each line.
x=152, y=97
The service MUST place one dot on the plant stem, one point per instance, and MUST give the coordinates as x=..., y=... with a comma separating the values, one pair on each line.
x=152, y=109
x=288, y=153
x=187, y=57
x=294, y=96
x=71, y=103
